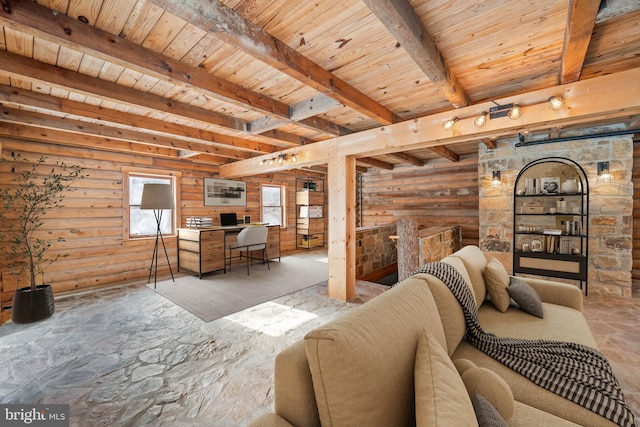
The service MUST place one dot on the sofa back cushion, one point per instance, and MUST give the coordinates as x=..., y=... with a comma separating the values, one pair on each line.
x=475, y=263
x=450, y=312
x=294, y=398
x=362, y=363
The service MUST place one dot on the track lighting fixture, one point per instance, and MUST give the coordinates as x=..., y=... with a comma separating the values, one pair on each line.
x=280, y=158
x=481, y=120
x=448, y=125
x=515, y=112
x=556, y=103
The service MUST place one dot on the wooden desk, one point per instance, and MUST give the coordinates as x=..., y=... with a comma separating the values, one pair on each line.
x=202, y=250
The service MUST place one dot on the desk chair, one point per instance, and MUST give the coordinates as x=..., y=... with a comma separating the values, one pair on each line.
x=252, y=238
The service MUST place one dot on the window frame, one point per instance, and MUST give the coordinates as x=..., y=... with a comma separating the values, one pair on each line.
x=283, y=203
x=173, y=176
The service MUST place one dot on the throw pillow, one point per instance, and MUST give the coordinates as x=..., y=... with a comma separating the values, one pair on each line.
x=486, y=414
x=497, y=281
x=492, y=387
x=441, y=397
x=526, y=297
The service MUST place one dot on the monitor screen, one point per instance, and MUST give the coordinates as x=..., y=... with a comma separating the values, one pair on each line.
x=227, y=219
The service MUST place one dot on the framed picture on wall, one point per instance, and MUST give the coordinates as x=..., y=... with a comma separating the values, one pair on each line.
x=224, y=192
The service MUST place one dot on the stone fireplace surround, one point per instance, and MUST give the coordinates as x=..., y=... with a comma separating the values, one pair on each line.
x=610, y=209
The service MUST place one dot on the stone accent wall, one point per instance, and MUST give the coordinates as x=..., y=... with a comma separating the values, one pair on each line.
x=374, y=248
x=438, y=242
x=610, y=209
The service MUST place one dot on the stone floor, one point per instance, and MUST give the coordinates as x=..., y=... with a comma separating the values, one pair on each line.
x=127, y=356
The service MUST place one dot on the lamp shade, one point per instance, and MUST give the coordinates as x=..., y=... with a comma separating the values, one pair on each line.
x=157, y=196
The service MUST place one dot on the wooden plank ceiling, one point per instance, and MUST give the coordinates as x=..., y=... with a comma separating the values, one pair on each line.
x=218, y=82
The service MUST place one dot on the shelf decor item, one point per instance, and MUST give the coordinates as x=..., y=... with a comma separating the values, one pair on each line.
x=551, y=185
x=569, y=186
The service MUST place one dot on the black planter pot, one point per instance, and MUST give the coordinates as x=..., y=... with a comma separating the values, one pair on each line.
x=29, y=306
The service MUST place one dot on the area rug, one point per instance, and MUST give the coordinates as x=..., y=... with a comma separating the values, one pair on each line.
x=218, y=294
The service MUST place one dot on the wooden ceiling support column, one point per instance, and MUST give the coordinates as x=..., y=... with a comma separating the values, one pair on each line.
x=342, y=227
x=230, y=27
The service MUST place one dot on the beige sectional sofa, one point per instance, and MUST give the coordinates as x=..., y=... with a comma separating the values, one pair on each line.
x=401, y=359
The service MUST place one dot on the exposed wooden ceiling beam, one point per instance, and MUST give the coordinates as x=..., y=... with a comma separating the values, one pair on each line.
x=314, y=106
x=617, y=97
x=91, y=142
x=405, y=157
x=227, y=25
x=375, y=163
x=36, y=20
x=70, y=80
x=580, y=23
x=78, y=126
x=490, y=143
x=446, y=153
x=21, y=97
x=402, y=22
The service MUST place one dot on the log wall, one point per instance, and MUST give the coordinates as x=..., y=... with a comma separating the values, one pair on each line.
x=441, y=193
x=91, y=220
x=635, y=270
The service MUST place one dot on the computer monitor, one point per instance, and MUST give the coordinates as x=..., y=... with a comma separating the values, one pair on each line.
x=227, y=219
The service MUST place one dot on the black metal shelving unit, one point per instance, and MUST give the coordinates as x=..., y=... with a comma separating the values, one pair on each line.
x=535, y=252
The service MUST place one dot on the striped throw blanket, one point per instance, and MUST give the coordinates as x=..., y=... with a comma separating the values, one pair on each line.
x=573, y=371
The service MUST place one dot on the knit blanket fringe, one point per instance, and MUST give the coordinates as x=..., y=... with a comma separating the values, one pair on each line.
x=574, y=371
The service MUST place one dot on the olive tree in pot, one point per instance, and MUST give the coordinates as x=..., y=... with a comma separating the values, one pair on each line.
x=25, y=201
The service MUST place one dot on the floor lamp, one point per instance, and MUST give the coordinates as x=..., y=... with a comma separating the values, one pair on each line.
x=157, y=197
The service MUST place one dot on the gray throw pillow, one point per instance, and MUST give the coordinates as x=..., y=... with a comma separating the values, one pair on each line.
x=486, y=414
x=526, y=297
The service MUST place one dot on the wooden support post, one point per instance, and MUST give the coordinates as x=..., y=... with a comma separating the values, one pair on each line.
x=408, y=251
x=342, y=227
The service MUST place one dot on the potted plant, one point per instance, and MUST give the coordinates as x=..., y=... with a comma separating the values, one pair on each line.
x=30, y=195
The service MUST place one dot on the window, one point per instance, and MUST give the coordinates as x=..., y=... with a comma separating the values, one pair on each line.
x=142, y=222
x=274, y=205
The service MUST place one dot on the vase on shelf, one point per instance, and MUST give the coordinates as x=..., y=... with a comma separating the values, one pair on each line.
x=569, y=186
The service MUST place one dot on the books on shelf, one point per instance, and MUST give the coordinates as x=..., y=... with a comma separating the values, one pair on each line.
x=552, y=231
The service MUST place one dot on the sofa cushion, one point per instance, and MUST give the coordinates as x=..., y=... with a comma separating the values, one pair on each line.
x=450, y=311
x=518, y=324
x=523, y=414
x=459, y=266
x=475, y=263
x=462, y=365
x=497, y=282
x=441, y=398
x=491, y=387
x=526, y=297
x=362, y=363
x=486, y=414
x=294, y=398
